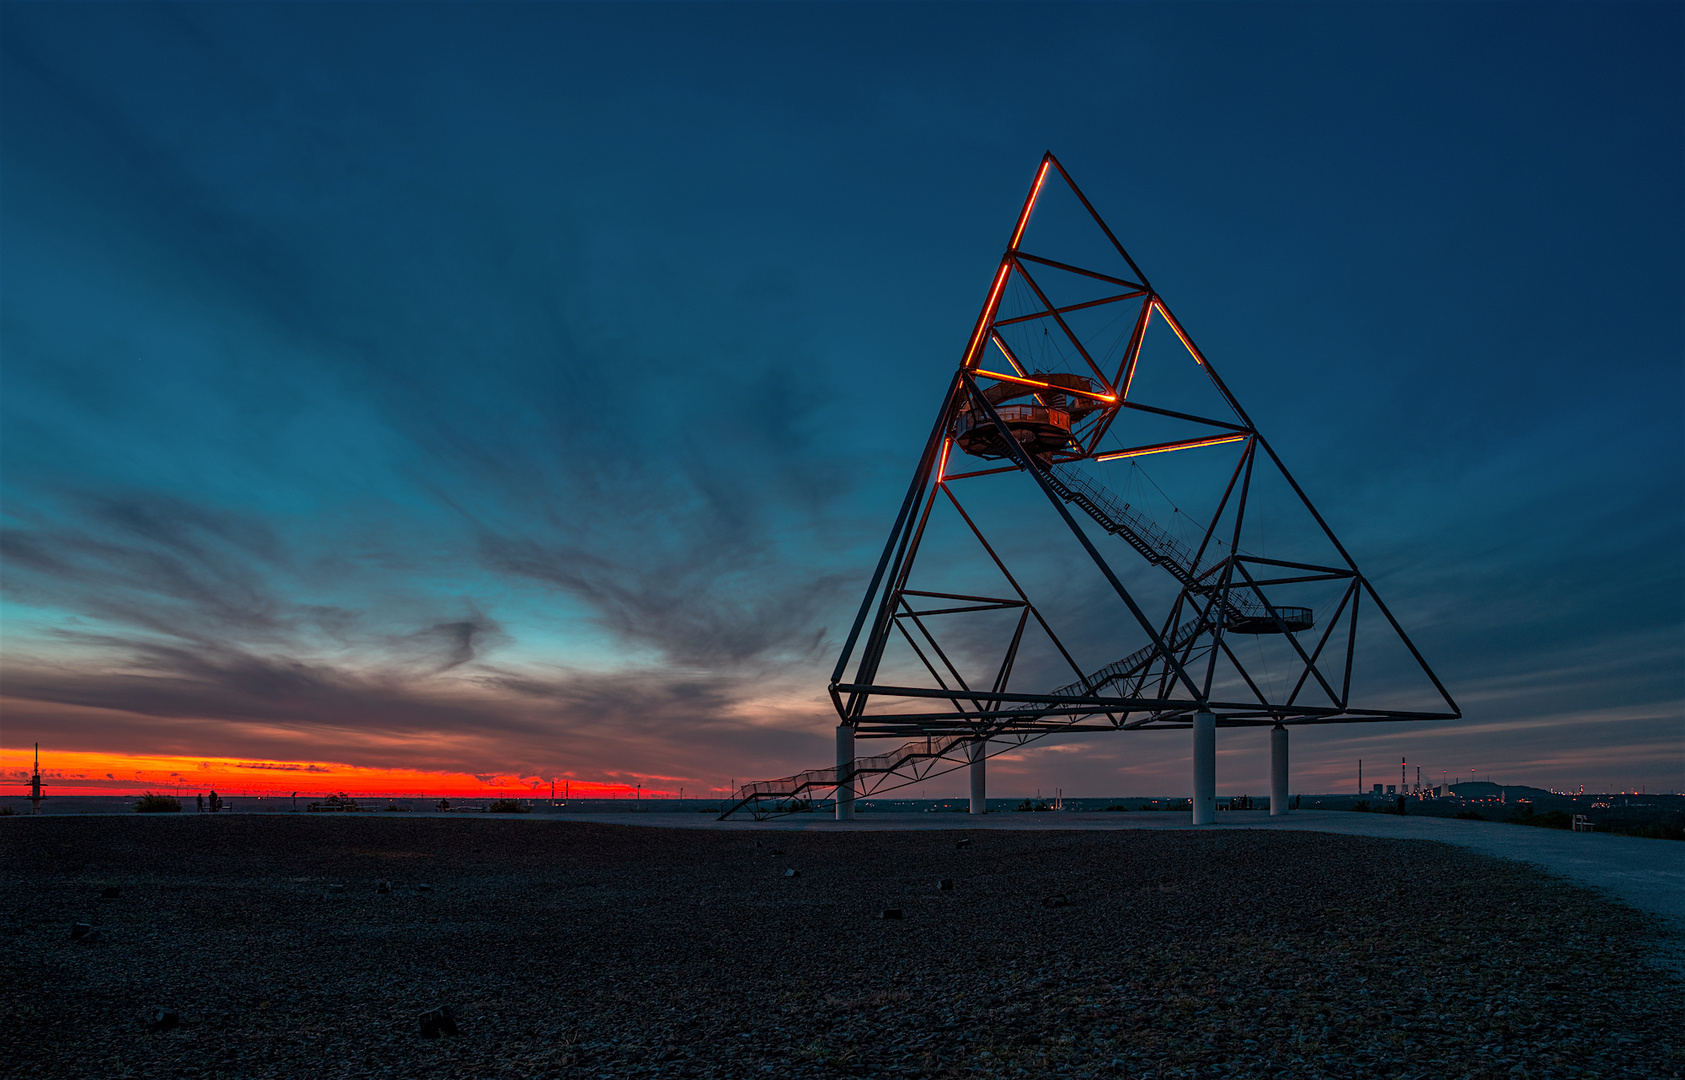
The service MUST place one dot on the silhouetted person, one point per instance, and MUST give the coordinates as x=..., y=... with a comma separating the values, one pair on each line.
x=295, y=802
x=444, y=804
x=201, y=798
x=216, y=803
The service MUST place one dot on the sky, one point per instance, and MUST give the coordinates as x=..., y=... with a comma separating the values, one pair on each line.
x=489, y=394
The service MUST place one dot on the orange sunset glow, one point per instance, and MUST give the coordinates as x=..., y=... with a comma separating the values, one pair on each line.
x=82, y=773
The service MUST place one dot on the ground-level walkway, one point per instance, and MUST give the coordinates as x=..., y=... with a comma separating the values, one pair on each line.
x=1647, y=874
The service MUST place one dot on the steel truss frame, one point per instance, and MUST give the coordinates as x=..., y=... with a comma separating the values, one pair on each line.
x=1161, y=685
x=1168, y=687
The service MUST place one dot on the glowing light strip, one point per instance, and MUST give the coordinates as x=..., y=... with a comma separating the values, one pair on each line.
x=995, y=337
x=1024, y=219
x=1162, y=448
x=1140, y=340
x=988, y=314
x=973, y=349
x=1193, y=352
x=1038, y=384
x=942, y=466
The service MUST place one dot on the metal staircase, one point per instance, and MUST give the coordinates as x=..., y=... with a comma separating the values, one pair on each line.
x=921, y=759
x=1245, y=614
x=1135, y=664
x=914, y=761
x=1120, y=519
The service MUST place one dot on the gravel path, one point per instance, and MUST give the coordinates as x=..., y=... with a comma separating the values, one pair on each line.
x=585, y=950
x=1646, y=874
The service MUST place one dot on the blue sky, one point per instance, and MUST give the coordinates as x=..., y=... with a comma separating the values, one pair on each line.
x=527, y=388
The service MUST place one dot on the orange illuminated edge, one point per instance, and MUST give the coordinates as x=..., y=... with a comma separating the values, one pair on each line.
x=1039, y=385
x=1160, y=448
x=994, y=336
x=1177, y=329
x=988, y=316
x=1024, y=218
x=1140, y=339
x=942, y=466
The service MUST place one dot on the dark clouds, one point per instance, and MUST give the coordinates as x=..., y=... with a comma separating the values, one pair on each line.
x=572, y=724
x=500, y=388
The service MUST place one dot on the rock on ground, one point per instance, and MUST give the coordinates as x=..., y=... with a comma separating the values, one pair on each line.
x=580, y=950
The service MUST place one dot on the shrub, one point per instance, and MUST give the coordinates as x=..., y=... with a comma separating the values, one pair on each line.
x=506, y=806
x=1360, y=807
x=1553, y=819
x=1469, y=815
x=1660, y=831
x=152, y=803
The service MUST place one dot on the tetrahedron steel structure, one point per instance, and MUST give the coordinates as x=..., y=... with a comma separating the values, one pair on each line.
x=1039, y=578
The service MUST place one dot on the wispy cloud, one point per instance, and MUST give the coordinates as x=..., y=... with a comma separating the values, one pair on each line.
x=462, y=409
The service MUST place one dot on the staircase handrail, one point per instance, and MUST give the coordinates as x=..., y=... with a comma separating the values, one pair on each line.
x=1145, y=536
x=830, y=776
x=1124, y=518
x=1130, y=665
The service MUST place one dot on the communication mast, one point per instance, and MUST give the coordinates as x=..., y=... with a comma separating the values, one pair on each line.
x=1228, y=604
x=35, y=784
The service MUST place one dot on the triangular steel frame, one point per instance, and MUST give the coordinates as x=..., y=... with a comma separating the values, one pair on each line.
x=1162, y=685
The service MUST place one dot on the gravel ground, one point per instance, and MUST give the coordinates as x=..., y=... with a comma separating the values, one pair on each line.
x=582, y=950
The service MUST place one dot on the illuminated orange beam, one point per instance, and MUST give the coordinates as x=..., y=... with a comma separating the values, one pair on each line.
x=987, y=315
x=1006, y=351
x=1177, y=328
x=973, y=349
x=1039, y=385
x=1160, y=448
x=942, y=466
x=1029, y=205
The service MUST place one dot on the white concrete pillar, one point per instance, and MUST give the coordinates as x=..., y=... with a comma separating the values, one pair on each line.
x=845, y=773
x=979, y=787
x=1278, y=771
x=1205, y=768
